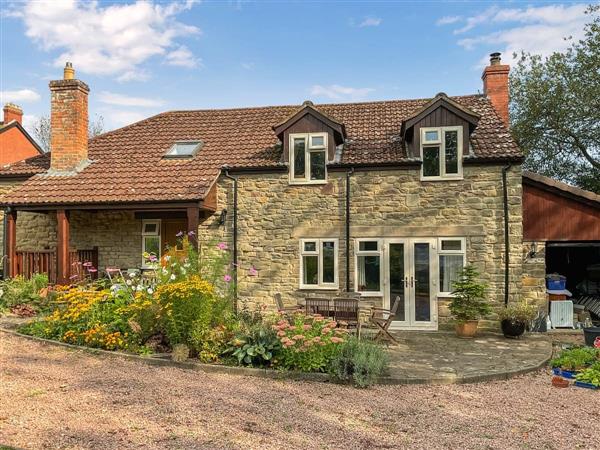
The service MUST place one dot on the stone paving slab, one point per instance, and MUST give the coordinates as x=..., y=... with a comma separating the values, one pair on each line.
x=442, y=357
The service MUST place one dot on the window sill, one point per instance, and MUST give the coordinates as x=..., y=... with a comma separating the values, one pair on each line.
x=444, y=295
x=371, y=294
x=309, y=183
x=442, y=178
x=319, y=288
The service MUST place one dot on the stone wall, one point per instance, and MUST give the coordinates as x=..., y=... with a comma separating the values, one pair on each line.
x=117, y=234
x=274, y=215
x=534, y=274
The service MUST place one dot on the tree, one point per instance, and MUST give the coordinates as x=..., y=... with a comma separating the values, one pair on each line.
x=555, y=109
x=41, y=130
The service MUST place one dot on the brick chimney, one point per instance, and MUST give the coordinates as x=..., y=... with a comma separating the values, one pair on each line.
x=12, y=112
x=495, y=85
x=68, y=123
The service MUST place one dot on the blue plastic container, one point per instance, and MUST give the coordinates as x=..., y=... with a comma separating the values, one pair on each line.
x=556, y=283
x=581, y=384
x=556, y=370
x=568, y=374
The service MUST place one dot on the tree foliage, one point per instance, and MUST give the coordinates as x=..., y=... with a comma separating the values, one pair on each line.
x=555, y=109
x=41, y=130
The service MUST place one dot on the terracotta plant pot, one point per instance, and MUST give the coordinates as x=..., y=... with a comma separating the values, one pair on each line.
x=467, y=329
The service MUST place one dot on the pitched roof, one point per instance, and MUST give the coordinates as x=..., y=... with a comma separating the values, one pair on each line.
x=14, y=124
x=128, y=164
x=558, y=187
x=26, y=167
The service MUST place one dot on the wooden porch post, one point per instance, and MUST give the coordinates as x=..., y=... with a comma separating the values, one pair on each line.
x=193, y=214
x=62, y=247
x=10, y=246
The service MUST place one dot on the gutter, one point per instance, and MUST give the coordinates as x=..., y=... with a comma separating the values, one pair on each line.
x=226, y=174
x=506, y=232
x=348, y=175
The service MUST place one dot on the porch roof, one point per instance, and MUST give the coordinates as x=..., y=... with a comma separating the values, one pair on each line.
x=128, y=164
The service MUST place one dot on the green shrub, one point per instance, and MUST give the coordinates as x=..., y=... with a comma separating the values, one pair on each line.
x=590, y=375
x=359, y=362
x=576, y=358
x=210, y=344
x=518, y=312
x=468, y=296
x=308, y=342
x=256, y=347
x=19, y=290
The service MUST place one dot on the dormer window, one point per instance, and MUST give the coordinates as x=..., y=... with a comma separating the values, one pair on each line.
x=441, y=152
x=308, y=158
x=184, y=149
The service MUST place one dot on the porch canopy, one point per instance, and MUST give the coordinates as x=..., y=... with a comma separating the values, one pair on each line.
x=59, y=262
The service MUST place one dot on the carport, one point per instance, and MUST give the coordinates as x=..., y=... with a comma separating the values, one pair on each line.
x=561, y=231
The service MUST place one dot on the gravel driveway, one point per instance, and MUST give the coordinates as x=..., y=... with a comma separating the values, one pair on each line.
x=56, y=398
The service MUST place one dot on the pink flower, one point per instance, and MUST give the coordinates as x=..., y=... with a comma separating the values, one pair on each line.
x=298, y=337
x=222, y=246
x=281, y=333
x=336, y=340
x=191, y=233
x=326, y=330
x=307, y=327
x=87, y=264
x=92, y=270
x=180, y=234
x=597, y=342
x=252, y=271
x=227, y=278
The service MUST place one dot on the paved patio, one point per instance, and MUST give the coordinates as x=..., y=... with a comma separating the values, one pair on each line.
x=442, y=357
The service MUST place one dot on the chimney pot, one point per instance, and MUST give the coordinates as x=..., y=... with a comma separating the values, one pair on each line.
x=12, y=112
x=69, y=72
x=495, y=58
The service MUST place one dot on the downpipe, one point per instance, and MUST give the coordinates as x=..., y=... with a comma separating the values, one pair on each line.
x=506, y=233
x=235, y=235
x=348, y=175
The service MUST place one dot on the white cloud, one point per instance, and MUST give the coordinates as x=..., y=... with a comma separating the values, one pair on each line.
x=18, y=96
x=182, y=57
x=370, y=22
x=540, y=30
x=248, y=65
x=447, y=20
x=337, y=92
x=111, y=98
x=106, y=40
x=29, y=120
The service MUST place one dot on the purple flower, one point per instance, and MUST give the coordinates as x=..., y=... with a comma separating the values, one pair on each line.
x=180, y=234
x=92, y=270
x=252, y=271
x=191, y=233
x=227, y=278
x=152, y=258
x=222, y=246
x=87, y=264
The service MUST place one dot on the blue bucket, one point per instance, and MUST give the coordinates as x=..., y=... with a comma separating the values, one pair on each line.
x=556, y=282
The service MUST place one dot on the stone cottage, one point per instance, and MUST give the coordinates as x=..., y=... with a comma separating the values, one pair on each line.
x=388, y=199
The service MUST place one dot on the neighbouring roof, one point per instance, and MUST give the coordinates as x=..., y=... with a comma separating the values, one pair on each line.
x=128, y=163
x=561, y=188
x=26, y=167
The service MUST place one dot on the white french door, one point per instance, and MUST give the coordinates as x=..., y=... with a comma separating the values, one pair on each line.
x=410, y=277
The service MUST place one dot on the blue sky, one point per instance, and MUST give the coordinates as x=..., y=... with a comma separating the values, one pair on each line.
x=140, y=58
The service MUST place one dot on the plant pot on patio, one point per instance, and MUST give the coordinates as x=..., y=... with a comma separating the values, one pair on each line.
x=468, y=302
x=467, y=329
x=512, y=328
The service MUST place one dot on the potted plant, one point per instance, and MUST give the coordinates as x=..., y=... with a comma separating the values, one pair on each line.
x=468, y=302
x=515, y=317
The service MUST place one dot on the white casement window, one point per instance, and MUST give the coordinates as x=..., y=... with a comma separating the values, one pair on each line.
x=318, y=264
x=150, y=239
x=451, y=253
x=441, y=152
x=369, y=270
x=308, y=158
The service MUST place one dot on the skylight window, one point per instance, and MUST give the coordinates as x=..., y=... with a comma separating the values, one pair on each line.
x=184, y=149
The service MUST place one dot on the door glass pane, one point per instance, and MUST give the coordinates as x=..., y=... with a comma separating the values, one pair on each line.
x=369, y=275
x=450, y=265
x=422, y=285
x=152, y=245
x=431, y=161
x=451, y=140
x=317, y=165
x=397, y=280
x=328, y=262
x=299, y=161
x=311, y=269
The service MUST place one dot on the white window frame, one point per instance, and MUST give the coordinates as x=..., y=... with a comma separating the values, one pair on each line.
x=145, y=234
x=319, y=253
x=441, y=143
x=378, y=252
x=462, y=252
x=309, y=148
